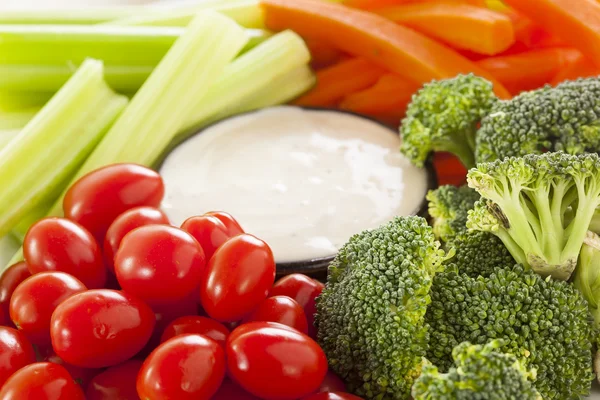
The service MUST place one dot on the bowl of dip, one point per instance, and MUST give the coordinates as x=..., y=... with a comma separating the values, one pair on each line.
x=303, y=180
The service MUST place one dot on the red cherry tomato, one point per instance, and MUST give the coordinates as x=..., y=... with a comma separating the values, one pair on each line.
x=100, y=328
x=15, y=352
x=41, y=381
x=36, y=298
x=9, y=280
x=159, y=263
x=57, y=244
x=209, y=231
x=184, y=367
x=332, y=383
x=304, y=290
x=4, y=320
x=124, y=224
x=227, y=219
x=274, y=363
x=82, y=376
x=99, y=197
x=252, y=326
x=333, y=396
x=197, y=325
x=238, y=278
x=229, y=390
x=117, y=382
x=281, y=309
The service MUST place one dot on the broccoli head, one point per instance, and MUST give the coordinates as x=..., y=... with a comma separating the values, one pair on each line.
x=479, y=253
x=540, y=206
x=562, y=118
x=443, y=116
x=448, y=207
x=479, y=372
x=542, y=322
x=370, y=316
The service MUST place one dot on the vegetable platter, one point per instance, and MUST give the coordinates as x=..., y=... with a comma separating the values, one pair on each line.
x=490, y=291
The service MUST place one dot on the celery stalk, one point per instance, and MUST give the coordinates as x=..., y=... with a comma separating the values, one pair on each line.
x=20, y=230
x=35, y=164
x=78, y=16
x=6, y=135
x=8, y=247
x=14, y=101
x=17, y=119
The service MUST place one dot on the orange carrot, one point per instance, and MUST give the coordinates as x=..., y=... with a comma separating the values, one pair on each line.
x=322, y=54
x=375, y=4
x=462, y=26
x=582, y=67
x=529, y=34
x=337, y=81
x=528, y=70
x=396, y=48
x=577, y=22
x=391, y=94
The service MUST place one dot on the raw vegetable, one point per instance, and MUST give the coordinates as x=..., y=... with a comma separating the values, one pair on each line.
x=322, y=54
x=362, y=34
x=17, y=119
x=339, y=80
x=197, y=325
x=16, y=350
x=462, y=26
x=580, y=67
x=448, y=207
x=115, y=382
x=209, y=231
x=587, y=275
x=43, y=379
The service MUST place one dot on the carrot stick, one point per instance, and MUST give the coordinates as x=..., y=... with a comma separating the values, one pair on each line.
x=582, y=67
x=462, y=26
x=530, y=34
x=528, y=70
x=322, y=54
x=398, y=49
x=337, y=81
x=375, y=4
x=577, y=22
x=391, y=94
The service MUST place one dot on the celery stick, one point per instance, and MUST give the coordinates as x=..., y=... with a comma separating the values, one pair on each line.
x=8, y=246
x=35, y=164
x=6, y=135
x=82, y=15
x=17, y=119
x=39, y=212
x=15, y=101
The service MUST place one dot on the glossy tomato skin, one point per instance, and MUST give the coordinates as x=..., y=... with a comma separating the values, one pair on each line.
x=116, y=383
x=125, y=223
x=281, y=309
x=274, y=363
x=4, y=319
x=100, y=328
x=99, y=197
x=230, y=223
x=209, y=231
x=332, y=383
x=230, y=390
x=57, y=244
x=238, y=278
x=304, y=290
x=36, y=298
x=41, y=381
x=159, y=263
x=9, y=280
x=242, y=329
x=15, y=352
x=333, y=396
x=81, y=376
x=184, y=367
x=197, y=325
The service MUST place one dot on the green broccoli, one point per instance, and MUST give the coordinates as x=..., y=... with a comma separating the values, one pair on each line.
x=587, y=275
x=448, y=207
x=562, y=118
x=540, y=206
x=370, y=316
x=443, y=116
x=543, y=322
x=480, y=372
x=479, y=253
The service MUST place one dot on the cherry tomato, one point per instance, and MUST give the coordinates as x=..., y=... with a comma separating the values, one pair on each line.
x=100, y=328
x=274, y=363
x=57, y=244
x=81, y=376
x=36, y=298
x=116, y=383
x=209, y=231
x=281, y=309
x=124, y=224
x=305, y=291
x=229, y=390
x=184, y=367
x=4, y=320
x=227, y=219
x=333, y=396
x=238, y=278
x=9, y=280
x=99, y=197
x=41, y=381
x=15, y=352
x=332, y=383
x=159, y=263
x=252, y=326
x=198, y=325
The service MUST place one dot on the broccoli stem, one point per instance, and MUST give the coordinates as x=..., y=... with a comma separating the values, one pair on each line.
x=458, y=145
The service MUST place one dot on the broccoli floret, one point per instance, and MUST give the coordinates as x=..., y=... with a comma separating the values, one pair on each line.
x=479, y=372
x=370, y=316
x=443, y=116
x=448, y=207
x=479, y=253
x=543, y=322
x=565, y=117
x=587, y=276
x=540, y=206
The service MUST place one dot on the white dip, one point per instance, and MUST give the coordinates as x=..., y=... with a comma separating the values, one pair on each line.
x=302, y=180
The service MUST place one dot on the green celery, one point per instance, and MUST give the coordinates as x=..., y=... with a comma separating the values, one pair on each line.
x=32, y=217
x=8, y=247
x=17, y=119
x=6, y=135
x=77, y=16
x=16, y=101
x=35, y=164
